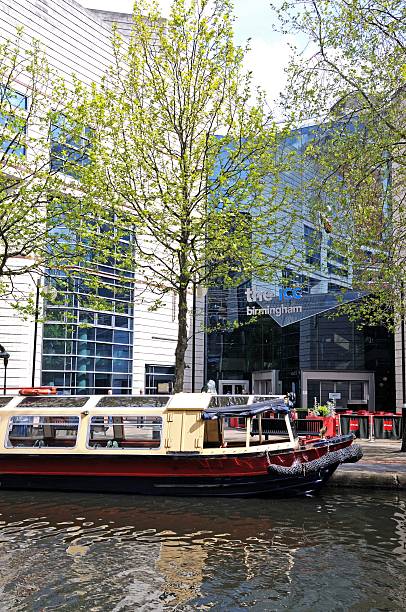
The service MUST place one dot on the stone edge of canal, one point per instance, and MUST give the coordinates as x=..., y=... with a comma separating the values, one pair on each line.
x=368, y=479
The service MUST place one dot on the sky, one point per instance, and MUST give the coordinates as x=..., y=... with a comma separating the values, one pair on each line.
x=269, y=51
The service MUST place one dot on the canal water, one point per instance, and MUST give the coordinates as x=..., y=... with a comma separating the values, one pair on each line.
x=337, y=551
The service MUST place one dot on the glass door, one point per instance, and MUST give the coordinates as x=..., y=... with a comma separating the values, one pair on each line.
x=233, y=387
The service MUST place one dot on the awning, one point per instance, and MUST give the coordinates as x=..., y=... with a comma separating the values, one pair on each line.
x=273, y=405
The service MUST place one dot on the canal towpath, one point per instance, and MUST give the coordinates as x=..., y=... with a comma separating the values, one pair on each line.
x=383, y=466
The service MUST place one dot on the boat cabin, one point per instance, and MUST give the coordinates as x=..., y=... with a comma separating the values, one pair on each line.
x=197, y=423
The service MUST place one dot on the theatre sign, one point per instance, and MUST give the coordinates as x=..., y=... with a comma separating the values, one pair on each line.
x=290, y=304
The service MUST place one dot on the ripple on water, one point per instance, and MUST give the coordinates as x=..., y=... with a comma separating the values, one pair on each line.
x=76, y=552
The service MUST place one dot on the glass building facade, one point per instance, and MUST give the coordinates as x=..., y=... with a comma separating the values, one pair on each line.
x=89, y=352
x=86, y=351
x=273, y=359
x=268, y=341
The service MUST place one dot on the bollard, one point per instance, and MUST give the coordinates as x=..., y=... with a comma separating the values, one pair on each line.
x=403, y=447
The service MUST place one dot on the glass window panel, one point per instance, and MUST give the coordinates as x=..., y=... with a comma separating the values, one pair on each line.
x=123, y=294
x=312, y=239
x=103, y=350
x=55, y=314
x=104, y=319
x=85, y=364
x=112, y=401
x=120, y=382
x=104, y=335
x=53, y=347
x=121, y=337
x=42, y=431
x=86, y=348
x=121, y=321
x=105, y=292
x=124, y=308
x=342, y=387
x=327, y=387
x=85, y=333
x=313, y=393
x=120, y=365
x=103, y=365
x=84, y=380
x=12, y=148
x=53, y=363
x=53, y=379
x=14, y=98
x=121, y=351
x=102, y=383
x=54, y=331
x=54, y=401
x=357, y=390
x=86, y=317
x=125, y=432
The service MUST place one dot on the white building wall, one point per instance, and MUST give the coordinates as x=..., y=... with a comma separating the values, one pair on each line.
x=155, y=336
x=17, y=337
x=76, y=40
x=399, y=374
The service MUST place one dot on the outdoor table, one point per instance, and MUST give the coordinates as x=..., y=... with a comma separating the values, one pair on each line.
x=387, y=426
x=359, y=425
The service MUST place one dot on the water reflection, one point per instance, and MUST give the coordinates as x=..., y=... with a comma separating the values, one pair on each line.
x=96, y=552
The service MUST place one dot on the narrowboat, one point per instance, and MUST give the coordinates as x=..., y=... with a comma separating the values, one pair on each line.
x=189, y=444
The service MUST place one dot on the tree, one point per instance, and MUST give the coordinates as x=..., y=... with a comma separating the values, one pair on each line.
x=350, y=81
x=186, y=155
x=44, y=223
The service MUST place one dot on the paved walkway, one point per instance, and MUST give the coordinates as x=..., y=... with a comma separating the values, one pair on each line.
x=383, y=466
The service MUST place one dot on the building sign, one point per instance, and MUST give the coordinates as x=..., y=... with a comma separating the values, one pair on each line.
x=289, y=305
x=288, y=293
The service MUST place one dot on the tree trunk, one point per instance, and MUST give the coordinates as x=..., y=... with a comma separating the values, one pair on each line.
x=181, y=345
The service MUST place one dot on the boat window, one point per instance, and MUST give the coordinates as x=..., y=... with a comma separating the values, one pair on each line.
x=57, y=401
x=125, y=432
x=221, y=401
x=28, y=431
x=133, y=401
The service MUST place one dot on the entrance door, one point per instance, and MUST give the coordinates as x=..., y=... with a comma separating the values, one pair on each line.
x=234, y=387
x=346, y=393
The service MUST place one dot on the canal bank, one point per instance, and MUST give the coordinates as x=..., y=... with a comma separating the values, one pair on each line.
x=383, y=466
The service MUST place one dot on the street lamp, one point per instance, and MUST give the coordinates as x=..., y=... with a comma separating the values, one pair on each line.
x=5, y=356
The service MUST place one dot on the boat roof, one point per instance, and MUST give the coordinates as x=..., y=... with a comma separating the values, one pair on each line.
x=275, y=405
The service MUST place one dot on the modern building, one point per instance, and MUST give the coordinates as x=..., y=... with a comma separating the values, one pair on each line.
x=127, y=349
x=290, y=335
x=319, y=356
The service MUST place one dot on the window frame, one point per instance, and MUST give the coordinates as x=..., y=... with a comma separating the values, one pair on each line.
x=123, y=416
x=68, y=147
x=21, y=149
x=39, y=416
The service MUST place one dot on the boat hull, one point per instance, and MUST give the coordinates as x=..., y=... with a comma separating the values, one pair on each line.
x=265, y=486
x=245, y=475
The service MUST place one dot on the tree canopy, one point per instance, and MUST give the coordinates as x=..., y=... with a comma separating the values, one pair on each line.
x=186, y=153
x=349, y=81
